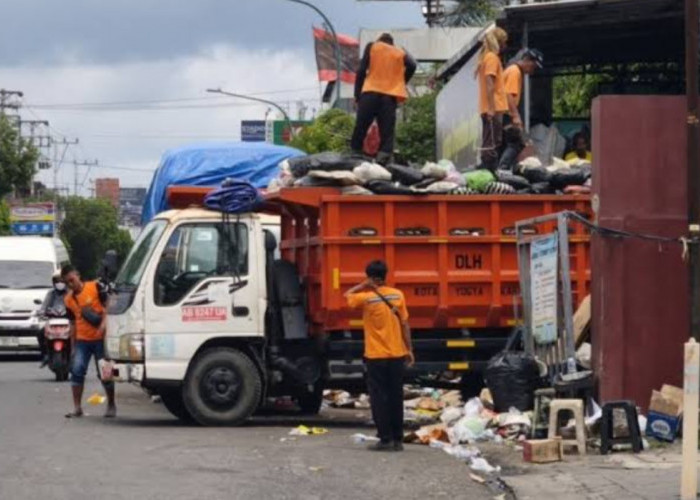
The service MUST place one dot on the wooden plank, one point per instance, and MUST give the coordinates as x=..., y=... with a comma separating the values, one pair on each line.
x=691, y=380
x=582, y=322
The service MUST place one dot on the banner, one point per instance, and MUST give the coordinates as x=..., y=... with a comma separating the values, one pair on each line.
x=33, y=219
x=326, y=59
x=544, y=276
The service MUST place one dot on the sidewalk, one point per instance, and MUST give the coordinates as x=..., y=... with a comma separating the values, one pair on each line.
x=652, y=475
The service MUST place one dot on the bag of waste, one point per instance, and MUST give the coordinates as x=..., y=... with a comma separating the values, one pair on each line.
x=533, y=174
x=499, y=188
x=355, y=190
x=388, y=187
x=307, y=181
x=366, y=172
x=512, y=377
x=443, y=187
x=530, y=162
x=542, y=188
x=405, y=175
x=479, y=179
x=574, y=176
x=438, y=170
x=301, y=165
x=463, y=191
x=342, y=177
x=517, y=181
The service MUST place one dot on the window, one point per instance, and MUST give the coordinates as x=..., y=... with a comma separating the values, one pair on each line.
x=195, y=252
x=135, y=264
x=25, y=274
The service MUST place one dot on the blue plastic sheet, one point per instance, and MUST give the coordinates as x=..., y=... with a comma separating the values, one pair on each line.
x=209, y=164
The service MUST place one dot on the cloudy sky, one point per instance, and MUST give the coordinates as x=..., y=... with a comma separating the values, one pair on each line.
x=128, y=77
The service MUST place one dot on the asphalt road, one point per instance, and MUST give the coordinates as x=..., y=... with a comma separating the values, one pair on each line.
x=147, y=454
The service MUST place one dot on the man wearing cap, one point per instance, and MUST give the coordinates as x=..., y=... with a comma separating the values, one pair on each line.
x=379, y=87
x=524, y=63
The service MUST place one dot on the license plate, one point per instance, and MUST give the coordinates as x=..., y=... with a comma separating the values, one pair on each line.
x=9, y=342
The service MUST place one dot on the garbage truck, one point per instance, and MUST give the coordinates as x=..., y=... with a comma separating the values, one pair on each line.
x=216, y=313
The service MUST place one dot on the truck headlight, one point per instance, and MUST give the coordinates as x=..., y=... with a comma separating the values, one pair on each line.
x=131, y=347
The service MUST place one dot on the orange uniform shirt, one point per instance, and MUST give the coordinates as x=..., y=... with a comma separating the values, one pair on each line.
x=89, y=296
x=387, y=71
x=513, y=82
x=383, y=338
x=491, y=66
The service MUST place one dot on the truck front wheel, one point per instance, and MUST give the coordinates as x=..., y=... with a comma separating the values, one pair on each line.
x=223, y=387
x=172, y=400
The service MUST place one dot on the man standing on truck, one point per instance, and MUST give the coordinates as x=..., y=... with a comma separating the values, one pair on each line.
x=85, y=307
x=525, y=63
x=387, y=349
x=379, y=87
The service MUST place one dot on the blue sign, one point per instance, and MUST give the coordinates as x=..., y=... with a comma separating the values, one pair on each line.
x=33, y=228
x=253, y=130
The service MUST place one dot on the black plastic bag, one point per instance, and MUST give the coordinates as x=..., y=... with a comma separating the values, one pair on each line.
x=405, y=175
x=517, y=181
x=574, y=176
x=534, y=174
x=542, y=188
x=388, y=187
x=301, y=165
x=512, y=377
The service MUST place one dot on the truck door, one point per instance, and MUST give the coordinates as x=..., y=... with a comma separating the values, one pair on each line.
x=199, y=289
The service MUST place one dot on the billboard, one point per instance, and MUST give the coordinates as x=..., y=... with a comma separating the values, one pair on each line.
x=33, y=219
x=458, y=124
x=253, y=130
x=278, y=132
x=131, y=202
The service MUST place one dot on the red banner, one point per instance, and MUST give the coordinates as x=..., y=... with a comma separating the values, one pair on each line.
x=326, y=60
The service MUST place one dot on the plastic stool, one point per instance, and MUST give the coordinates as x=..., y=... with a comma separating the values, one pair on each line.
x=576, y=407
x=606, y=427
x=539, y=416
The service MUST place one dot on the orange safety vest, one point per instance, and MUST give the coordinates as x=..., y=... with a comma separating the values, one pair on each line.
x=387, y=71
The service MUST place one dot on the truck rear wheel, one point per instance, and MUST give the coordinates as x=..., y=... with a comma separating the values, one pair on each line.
x=310, y=402
x=223, y=387
x=172, y=400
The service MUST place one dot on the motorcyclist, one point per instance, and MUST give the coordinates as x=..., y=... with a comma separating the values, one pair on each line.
x=53, y=306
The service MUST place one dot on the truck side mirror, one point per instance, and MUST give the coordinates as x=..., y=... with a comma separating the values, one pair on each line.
x=109, y=264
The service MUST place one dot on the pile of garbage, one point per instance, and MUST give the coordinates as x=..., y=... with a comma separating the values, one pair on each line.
x=358, y=175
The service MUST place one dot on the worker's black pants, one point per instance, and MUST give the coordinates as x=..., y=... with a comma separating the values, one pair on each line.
x=374, y=106
x=514, y=144
x=491, y=138
x=385, y=384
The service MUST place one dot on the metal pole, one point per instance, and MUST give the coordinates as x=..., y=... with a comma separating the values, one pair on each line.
x=263, y=101
x=336, y=43
x=693, y=143
x=527, y=100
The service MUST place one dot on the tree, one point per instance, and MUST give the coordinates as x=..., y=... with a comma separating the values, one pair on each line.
x=331, y=131
x=415, y=133
x=89, y=229
x=5, y=229
x=572, y=94
x=472, y=12
x=18, y=159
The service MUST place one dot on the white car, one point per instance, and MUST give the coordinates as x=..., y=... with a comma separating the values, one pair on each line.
x=27, y=264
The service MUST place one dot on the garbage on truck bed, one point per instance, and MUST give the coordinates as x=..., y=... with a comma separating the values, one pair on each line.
x=361, y=176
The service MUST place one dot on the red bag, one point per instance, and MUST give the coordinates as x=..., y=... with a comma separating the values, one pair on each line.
x=371, y=143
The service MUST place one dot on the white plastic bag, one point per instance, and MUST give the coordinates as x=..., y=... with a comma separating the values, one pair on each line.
x=366, y=172
x=450, y=415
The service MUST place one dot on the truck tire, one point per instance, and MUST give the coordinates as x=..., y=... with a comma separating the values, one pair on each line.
x=172, y=400
x=223, y=387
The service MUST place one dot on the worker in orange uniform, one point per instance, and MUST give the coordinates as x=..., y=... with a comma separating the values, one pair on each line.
x=492, y=96
x=380, y=86
x=387, y=349
x=524, y=63
x=86, y=311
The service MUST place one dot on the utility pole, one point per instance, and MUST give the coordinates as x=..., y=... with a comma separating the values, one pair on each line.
x=77, y=165
x=9, y=100
x=59, y=161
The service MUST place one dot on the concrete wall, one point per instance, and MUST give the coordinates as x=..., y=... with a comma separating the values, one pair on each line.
x=424, y=44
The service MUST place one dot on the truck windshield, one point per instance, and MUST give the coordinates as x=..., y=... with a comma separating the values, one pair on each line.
x=135, y=264
x=24, y=274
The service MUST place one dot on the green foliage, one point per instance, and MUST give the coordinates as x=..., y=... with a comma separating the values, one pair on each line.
x=472, y=12
x=573, y=94
x=5, y=229
x=18, y=159
x=415, y=134
x=89, y=229
x=331, y=131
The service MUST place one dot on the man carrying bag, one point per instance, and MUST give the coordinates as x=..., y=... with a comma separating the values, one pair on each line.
x=387, y=349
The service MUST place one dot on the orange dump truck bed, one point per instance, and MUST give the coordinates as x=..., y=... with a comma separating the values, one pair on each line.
x=454, y=257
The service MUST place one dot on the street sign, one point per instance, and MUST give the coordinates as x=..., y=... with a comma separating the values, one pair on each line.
x=33, y=228
x=253, y=130
x=33, y=219
x=278, y=131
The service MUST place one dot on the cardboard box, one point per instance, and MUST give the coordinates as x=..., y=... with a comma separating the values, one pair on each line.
x=542, y=451
x=663, y=427
x=667, y=401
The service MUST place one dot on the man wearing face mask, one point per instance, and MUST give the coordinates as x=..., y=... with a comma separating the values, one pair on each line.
x=53, y=305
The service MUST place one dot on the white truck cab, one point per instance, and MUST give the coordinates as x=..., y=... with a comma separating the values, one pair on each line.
x=193, y=280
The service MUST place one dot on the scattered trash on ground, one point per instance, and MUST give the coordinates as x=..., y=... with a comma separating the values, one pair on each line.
x=303, y=430
x=96, y=399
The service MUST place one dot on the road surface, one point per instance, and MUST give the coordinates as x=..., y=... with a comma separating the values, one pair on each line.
x=147, y=454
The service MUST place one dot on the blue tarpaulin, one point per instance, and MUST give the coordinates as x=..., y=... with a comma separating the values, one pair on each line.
x=209, y=164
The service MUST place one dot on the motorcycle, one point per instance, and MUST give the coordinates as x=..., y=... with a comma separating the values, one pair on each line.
x=58, y=345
